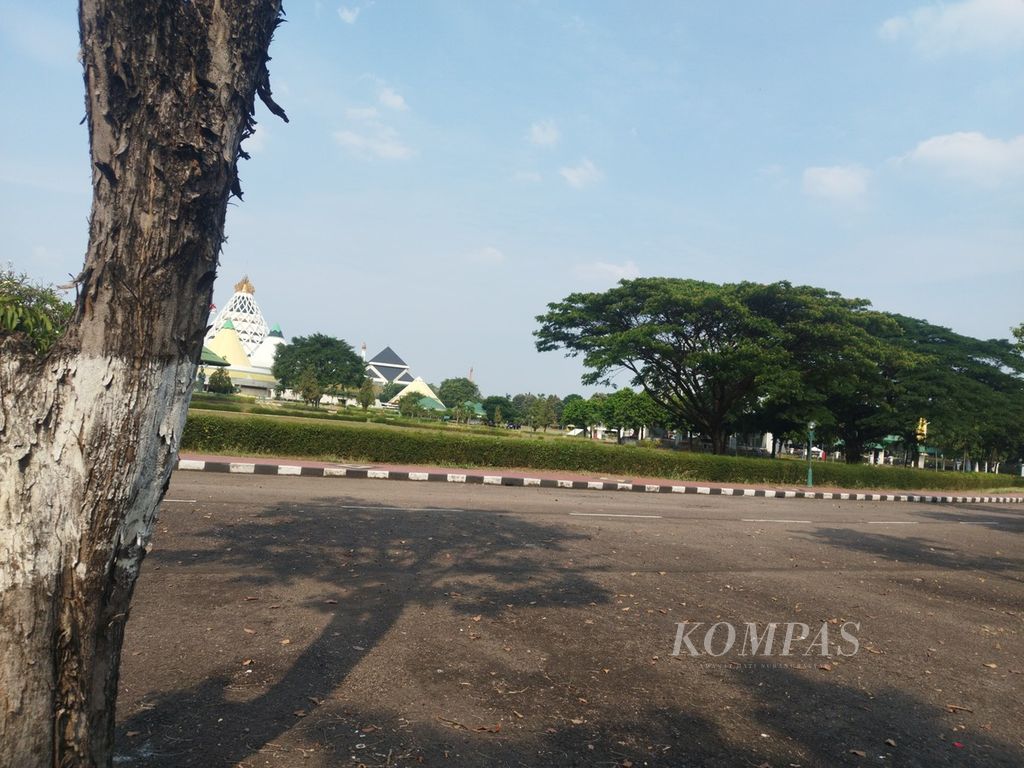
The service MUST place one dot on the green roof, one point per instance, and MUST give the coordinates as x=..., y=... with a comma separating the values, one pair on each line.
x=228, y=324
x=209, y=357
x=431, y=404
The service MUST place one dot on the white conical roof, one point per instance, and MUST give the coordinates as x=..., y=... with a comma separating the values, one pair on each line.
x=263, y=357
x=244, y=313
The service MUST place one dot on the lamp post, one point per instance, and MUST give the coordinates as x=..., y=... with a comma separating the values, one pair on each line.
x=810, y=444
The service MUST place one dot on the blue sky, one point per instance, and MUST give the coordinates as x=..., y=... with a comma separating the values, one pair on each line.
x=452, y=167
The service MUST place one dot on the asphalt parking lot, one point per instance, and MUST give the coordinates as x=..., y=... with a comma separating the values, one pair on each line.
x=296, y=621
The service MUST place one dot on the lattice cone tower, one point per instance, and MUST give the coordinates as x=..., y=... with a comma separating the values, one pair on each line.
x=244, y=313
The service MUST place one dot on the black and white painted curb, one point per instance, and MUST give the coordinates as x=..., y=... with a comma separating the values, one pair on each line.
x=246, y=468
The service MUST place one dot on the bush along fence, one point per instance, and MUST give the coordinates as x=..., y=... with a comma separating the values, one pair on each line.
x=258, y=435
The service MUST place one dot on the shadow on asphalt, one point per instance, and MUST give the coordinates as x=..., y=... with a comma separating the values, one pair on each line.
x=407, y=559
x=915, y=550
x=1010, y=520
x=403, y=558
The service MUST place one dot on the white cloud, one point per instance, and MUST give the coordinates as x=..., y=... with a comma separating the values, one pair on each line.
x=838, y=183
x=970, y=25
x=348, y=15
x=362, y=113
x=972, y=156
x=487, y=256
x=544, y=133
x=603, y=271
x=379, y=141
x=581, y=175
x=392, y=99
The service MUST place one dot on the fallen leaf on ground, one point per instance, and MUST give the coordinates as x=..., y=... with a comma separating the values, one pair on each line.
x=858, y=752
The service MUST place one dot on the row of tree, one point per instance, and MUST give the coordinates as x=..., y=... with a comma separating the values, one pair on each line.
x=748, y=357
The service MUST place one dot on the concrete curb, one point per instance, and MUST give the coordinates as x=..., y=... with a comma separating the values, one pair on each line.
x=247, y=468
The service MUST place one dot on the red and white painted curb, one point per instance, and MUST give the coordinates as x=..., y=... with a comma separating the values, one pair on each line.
x=252, y=468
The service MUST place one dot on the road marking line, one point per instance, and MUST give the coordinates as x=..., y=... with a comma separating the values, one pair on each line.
x=762, y=520
x=179, y=501
x=609, y=514
x=892, y=522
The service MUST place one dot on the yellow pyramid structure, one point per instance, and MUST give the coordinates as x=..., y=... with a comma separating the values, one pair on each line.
x=227, y=344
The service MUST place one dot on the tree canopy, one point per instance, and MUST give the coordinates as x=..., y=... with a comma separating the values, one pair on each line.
x=455, y=392
x=333, y=363
x=708, y=353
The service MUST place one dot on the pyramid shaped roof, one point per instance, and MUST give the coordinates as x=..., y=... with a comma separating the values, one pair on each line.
x=387, y=356
x=419, y=387
x=227, y=344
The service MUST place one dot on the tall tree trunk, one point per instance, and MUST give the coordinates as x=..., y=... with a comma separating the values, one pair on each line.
x=88, y=434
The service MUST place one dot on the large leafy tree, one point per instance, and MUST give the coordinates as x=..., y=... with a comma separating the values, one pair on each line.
x=333, y=362
x=970, y=390
x=703, y=352
x=710, y=354
x=455, y=392
x=89, y=431
x=846, y=368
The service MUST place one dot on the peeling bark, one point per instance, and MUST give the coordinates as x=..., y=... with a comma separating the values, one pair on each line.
x=89, y=433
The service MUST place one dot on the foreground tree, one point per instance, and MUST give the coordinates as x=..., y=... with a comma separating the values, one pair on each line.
x=333, y=361
x=89, y=431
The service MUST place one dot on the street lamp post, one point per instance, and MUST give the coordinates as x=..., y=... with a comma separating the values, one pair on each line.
x=810, y=462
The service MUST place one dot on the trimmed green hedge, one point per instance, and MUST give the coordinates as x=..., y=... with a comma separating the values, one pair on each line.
x=338, y=441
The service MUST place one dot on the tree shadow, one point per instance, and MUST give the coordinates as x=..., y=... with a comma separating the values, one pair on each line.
x=360, y=568
x=999, y=519
x=916, y=550
x=379, y=561
x=837, y=724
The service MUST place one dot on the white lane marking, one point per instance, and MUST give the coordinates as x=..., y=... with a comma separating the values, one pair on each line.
x=978, y=522
x=762, y=520
x=179, y=501
x=287, y=469
x=397, y=509
x=609, y=514
x=892, y=522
